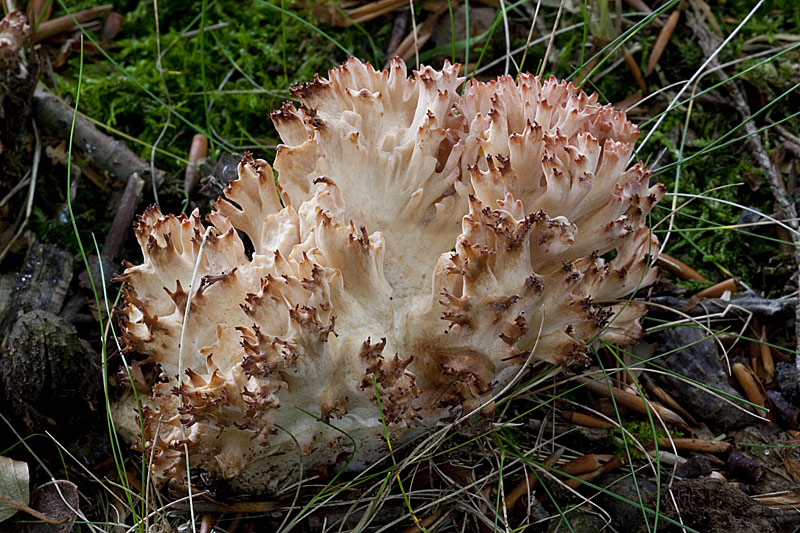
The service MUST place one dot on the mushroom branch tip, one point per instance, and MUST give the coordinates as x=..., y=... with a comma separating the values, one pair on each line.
x=418, y=245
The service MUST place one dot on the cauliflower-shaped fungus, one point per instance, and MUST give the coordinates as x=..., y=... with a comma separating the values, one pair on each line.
x=419, y=243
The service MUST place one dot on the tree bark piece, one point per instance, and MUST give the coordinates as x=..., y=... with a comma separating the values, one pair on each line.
x=41, y=284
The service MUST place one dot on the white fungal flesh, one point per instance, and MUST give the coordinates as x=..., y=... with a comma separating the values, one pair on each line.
x=425, y=243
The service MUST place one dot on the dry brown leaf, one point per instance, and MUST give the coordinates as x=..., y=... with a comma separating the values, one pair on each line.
x=14, y=480
x=57, y=499
x=791, y=464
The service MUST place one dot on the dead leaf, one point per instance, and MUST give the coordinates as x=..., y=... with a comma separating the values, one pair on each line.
x=14, y=480
x=792, y=466
x=58, y=499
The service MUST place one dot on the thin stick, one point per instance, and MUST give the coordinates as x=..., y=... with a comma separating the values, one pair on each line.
x=37, y=155
x=33, y=512
x=68, y=22
x=552, y=38
x=630, y=400
x=414, y=30
x=528, y=40
x=508, y=36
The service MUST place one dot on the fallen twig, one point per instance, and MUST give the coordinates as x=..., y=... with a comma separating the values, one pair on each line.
x=67, y=22
x=581, y=465
x=408, y=46
x=613, y=464
x=633, y=66
x=427, y=521
x=582, y=419
x=114, y=157
x=701, y=445
x=33, y=512
x=663, y=396
x=55, y=117
x=128, y=205
x=197, y=153
x=398, y=31
x=678, y=268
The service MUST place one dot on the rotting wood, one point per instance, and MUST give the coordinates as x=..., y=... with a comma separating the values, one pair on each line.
x=786, y=414
x=41, y=284
x=743, y=467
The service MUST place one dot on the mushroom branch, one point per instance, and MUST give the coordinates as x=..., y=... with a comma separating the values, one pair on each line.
x=419, y=248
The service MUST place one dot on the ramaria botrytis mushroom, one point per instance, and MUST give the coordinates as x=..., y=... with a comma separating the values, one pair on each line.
x=419, y=242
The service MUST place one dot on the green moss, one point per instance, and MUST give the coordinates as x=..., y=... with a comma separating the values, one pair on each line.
x=229, y=80
x=637, y=431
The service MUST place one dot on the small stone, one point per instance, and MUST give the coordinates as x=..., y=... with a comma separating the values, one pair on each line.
x=696, y=466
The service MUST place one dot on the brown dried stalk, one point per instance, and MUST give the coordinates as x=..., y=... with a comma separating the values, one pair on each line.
x=715, y=291
x=197, y=152
x=702, y=445
x=582, y=419
x=631, y=401
x=678, y=268
x=662, y=41
x=751, y=386
x=529, y=483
